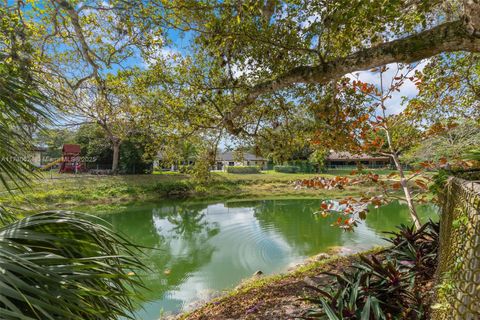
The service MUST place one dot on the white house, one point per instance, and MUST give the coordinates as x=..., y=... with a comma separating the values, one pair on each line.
x=229, y=159
x=36, y=156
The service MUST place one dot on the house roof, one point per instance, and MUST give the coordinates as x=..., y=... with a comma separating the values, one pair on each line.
x=343, y=155
x=229, y=156
x=71, y=148
x=39, y=149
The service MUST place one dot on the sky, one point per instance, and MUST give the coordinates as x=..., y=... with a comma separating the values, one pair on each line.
x=408, y=89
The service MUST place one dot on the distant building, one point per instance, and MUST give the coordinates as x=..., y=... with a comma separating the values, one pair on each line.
x=222, y=161
x=159, y=163
x=37, y=156
x=346, y=159
x=229, y=159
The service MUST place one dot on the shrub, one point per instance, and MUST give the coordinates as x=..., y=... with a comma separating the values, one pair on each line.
x=185, y=168
x=286, y=169
x=172, y=187
x=372, y=290
x=376, y=289
x=200, y=172
x=418, y=248
x=243, y=170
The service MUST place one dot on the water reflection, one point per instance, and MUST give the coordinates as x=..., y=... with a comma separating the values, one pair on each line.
x=187, y=221
x=197, y=249
x=296, y=222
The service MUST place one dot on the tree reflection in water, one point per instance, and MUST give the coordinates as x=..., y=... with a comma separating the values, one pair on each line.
x=188, y=221
x=307, y=233
x=175, y=237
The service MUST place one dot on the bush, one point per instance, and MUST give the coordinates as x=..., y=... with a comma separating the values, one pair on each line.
x=286, y=169
x=172, y=187
x=185, y=168
x=243, y=170
x=200, y=172
x=384, y=287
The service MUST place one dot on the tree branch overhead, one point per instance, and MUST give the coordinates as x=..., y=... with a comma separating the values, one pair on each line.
x=448, y=37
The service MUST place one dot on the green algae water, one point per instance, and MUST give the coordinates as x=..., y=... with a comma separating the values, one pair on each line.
x=199, y=249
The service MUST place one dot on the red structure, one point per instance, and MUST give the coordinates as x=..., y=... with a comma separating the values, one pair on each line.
x=71, y=158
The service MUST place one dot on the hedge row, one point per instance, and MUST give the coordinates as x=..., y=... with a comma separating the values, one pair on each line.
x=243, y=170
x=172, y=187
x=286, y=169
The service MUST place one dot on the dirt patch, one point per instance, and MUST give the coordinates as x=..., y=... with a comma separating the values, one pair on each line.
x=277, y=297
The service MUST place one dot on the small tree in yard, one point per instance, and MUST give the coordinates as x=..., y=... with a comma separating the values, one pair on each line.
x=318, y=158
x=370, y=127
x=113, y=106
x=391, y=135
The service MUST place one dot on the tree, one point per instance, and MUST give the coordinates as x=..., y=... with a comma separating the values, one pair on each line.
x=114, y=108
x=461, y=136
x=96, y=147
x=368, y=125
x=76, y=41
x=134, y=156
x=78, y=48
x=94, y=143
x=365, y=123
x=274, y=46
x=54, y=264
x=318, y=158
x=451, y=83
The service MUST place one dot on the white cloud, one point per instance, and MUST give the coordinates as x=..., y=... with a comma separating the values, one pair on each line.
x=161, y=53
x=247, y=70
x=408, y=89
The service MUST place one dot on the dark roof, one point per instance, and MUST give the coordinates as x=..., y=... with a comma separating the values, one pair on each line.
x=71, y=148
x=348, y=156
x=229, y=156
x=39, y=149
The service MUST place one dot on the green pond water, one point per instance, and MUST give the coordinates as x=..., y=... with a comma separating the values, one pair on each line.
x=199, y=249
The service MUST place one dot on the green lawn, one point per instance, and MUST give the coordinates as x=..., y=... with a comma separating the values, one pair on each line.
x=54, y=191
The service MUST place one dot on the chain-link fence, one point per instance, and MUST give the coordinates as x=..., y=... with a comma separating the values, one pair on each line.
x=458, y=273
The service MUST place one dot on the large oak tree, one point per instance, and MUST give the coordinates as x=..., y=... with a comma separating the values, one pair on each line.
x=273, y=45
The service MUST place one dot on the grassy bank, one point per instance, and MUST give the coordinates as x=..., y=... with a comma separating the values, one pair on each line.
x=69, y=191
x=277, y=296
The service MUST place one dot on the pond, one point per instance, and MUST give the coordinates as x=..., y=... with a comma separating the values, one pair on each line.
x=198, y=249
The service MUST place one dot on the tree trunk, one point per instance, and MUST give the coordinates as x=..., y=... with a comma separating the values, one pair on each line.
x=408, y=194
x=116, y=154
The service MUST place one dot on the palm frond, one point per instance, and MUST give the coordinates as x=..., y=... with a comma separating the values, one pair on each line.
x=21, y=104
x=64, y=265
x=6, y=215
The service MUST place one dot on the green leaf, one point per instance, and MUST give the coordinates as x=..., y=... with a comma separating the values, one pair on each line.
x=366, y=309
x=329, y=311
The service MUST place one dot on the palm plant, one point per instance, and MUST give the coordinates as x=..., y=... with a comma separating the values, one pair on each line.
x=53, y=265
